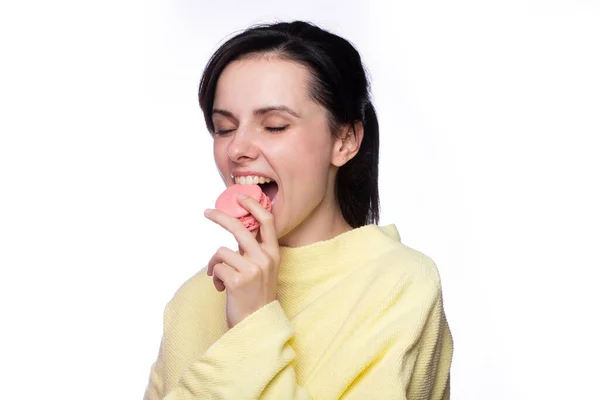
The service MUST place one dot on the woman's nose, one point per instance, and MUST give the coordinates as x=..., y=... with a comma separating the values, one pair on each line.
x=242, y=147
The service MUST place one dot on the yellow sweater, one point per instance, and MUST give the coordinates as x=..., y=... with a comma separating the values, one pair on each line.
x=359, y=316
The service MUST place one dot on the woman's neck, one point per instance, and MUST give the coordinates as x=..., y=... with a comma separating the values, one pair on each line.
x=325, y=222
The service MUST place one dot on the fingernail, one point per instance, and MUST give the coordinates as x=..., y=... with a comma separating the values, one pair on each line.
x=242, y=196
x=207, y=212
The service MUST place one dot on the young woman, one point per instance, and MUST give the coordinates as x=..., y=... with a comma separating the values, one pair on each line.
x=322, y=303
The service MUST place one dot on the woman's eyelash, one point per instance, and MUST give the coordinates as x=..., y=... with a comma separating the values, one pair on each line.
x=268, y=128
x=276, y=128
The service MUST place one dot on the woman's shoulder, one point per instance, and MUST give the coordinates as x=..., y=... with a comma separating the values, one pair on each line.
x=406, y=281
x=405, y=263
x=408, y=260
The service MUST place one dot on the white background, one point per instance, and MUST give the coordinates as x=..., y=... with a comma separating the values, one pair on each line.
x=489, y=116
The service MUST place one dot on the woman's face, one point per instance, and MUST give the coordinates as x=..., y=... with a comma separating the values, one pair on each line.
x=266, y=125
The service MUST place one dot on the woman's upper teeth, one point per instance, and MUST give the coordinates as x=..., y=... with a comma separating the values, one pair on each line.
x=251, y=180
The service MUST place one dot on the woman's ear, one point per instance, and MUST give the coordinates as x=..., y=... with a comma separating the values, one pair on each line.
x=347, y=143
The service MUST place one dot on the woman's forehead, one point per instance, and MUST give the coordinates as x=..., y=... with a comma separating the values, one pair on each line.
x=256, y=82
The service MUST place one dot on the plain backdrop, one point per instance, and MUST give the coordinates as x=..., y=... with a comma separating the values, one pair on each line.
x=489, y=114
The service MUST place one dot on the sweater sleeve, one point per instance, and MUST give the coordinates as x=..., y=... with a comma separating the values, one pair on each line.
x=409, y=357
x=430, y=379
x=155, y=388
x=253, y=360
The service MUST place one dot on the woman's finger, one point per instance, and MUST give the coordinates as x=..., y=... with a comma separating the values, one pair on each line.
x=219, y=285
x=224, y=276
x=264, y=217
x=242, y=235
x=256, y=237
x=229, y=257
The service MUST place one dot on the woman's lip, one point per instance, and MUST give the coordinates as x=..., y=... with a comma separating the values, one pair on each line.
x=235, y=174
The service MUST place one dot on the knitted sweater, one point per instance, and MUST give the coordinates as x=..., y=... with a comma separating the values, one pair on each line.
x=359, y=316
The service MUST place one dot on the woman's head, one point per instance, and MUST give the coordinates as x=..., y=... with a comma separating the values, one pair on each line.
x=290, y=101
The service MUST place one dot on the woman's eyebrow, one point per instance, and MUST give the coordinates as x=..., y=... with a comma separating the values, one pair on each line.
x=224, y=113
x=258, y=111
x=265, y=110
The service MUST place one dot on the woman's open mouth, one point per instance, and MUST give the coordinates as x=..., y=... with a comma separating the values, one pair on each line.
x=268, y=185
x=270, y=189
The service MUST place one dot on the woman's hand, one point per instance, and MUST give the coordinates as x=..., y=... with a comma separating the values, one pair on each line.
x=250, y=276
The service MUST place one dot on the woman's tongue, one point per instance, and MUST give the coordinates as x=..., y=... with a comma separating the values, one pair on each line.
x=270, y=189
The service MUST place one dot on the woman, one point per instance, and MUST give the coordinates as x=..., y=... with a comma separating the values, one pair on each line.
x=322, y=303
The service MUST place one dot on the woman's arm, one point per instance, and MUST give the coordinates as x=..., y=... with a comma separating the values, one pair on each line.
x=253, y=360
x=431, y=373
x=155, y=388
x=413, y=351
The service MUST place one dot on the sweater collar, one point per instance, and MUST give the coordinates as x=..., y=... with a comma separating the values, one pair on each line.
x=328, y=258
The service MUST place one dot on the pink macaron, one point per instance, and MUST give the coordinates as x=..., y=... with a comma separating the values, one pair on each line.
x=228, y=203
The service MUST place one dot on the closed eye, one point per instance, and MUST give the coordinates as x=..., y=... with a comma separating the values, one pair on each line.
x=224, y=131
x=276, y=128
